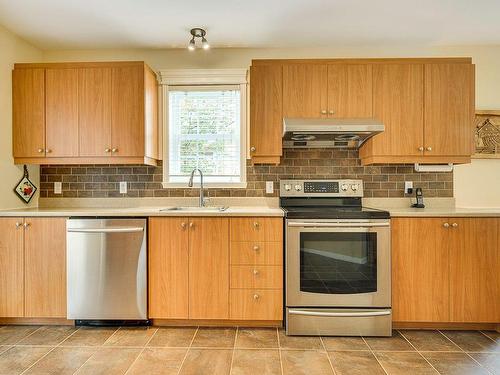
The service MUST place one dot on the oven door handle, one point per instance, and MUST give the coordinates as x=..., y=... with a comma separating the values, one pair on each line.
x=334, y=225
x=340, y=314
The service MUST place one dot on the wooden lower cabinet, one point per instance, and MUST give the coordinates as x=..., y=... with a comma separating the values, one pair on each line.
x=197, y=273
x=11, y=267
x=33, y=267
x=445, y=270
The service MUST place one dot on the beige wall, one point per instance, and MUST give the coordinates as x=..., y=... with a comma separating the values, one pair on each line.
x=485, y=174
x=12, y=49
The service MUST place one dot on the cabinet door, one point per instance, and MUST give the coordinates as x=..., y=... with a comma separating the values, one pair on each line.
x=127, y=107
x=266, y=110
x=398, y=102
x=62, y=112
x=94, y=112
x=474, y=265
x=420, y=270
x=11, y=267
x=449, y=103
x=350, y=91
x=168, y=268
x=305, y=91
x=45, y=268
x=28, y=113
x=208, y=268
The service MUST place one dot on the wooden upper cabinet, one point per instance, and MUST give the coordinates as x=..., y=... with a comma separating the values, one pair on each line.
x=266, y=113
x=208, y=268
x=127, y=123
x=11, y=268
x=398, y=99
x=61, y=126
x=305, y=90
x=474, y=265
x=168, y=268
x=420, y=270
x=449, y=109
x=28, y=113
x=45, y=268
x=94, y=115
x=350, y=91
x=85, y=113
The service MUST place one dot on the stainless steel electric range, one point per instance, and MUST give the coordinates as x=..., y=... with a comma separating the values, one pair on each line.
x=338, y=260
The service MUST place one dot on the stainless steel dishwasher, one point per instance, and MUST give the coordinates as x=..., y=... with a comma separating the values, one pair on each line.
x=106, y=269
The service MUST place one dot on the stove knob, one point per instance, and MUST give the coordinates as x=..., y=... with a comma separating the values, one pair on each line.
x=354, y=187
x=298, y=187
x=344, y=187
x=288, y=187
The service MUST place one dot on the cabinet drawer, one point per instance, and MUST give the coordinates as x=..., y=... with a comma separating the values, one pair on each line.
x=258, y=277
x=256, y=304
x=256, y=252
x=257, y=229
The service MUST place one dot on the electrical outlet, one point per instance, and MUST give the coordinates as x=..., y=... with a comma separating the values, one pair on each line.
x=408, y=187
x=269, y=187
x=57, y=187
x=123, y=187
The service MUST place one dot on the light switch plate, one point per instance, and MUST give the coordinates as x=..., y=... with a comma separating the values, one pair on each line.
x=123, y=187
x=408, y=187
x=269, y=187
x=57, y=187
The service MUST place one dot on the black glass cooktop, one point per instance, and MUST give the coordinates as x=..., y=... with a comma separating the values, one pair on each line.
x=335, y=213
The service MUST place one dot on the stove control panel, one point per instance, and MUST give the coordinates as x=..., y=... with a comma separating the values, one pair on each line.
x=321, y=188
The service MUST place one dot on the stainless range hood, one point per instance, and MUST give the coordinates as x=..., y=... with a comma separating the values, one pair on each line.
x=328, y=132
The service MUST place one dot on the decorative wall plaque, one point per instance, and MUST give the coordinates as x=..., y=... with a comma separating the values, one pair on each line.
x=487, y=134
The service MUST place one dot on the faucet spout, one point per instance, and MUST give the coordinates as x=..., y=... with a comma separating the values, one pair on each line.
x=190, y=184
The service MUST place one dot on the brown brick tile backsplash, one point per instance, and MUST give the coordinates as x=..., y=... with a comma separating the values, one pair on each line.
x=101, y=181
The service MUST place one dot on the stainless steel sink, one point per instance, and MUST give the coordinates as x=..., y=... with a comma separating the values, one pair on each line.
x=195, y=208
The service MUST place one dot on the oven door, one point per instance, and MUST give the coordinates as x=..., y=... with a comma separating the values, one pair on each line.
x=338, y=263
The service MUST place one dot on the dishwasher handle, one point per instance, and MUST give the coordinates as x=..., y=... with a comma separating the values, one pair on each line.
x=106, y=230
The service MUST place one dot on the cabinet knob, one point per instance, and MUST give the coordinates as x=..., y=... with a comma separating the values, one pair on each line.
x=421, y=148
x=18, y=225
x=40, y=150
x=429, y=148
x=323, y=111
x=256, y=224
x=454, y=225
x=256, y=247
x=114, y=150
x=191, y=225
x=183, y=225
x=252, y=149
x=256, y=272
x=107, y=150
x=446, y=225
x=331, y=112
x=48, y=150
x=26, y=225
x=256, y=296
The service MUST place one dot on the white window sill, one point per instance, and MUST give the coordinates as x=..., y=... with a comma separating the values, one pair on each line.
x=207, y=185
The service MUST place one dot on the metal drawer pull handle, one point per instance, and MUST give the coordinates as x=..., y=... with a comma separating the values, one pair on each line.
x=454, y=225
x=256, y=224
x=333, y=225
x=256, y=247
x=446, y=225
x=106, y=230
x=18, y=225
x=256, y=296
x=191, y=225
x=26, y=225
x=40, y=150
x=183, y=225
x=256, y=272
x=340, y=314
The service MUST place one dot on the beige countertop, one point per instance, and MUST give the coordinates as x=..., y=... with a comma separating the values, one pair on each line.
x=141, y=211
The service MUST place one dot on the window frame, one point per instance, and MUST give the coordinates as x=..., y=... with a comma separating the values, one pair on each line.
x=205, y=77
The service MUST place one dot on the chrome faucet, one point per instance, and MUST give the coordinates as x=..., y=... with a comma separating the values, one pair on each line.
x=190, y=184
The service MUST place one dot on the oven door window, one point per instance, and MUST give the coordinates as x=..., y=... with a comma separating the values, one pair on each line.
x=338, y=263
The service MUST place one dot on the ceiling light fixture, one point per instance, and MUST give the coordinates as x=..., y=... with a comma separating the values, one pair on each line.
x=198, y=33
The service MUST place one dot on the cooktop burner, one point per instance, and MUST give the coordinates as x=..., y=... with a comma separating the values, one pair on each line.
x=326, y=199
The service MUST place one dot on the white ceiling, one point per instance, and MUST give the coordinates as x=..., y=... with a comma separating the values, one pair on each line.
x=78, y=24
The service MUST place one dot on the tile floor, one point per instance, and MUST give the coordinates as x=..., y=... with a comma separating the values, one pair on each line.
x=242, y=351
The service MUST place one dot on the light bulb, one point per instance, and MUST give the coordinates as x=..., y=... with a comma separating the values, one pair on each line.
x=204, y=43
x=191, y=45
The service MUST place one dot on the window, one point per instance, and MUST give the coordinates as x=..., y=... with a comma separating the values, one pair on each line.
x=205, y=129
